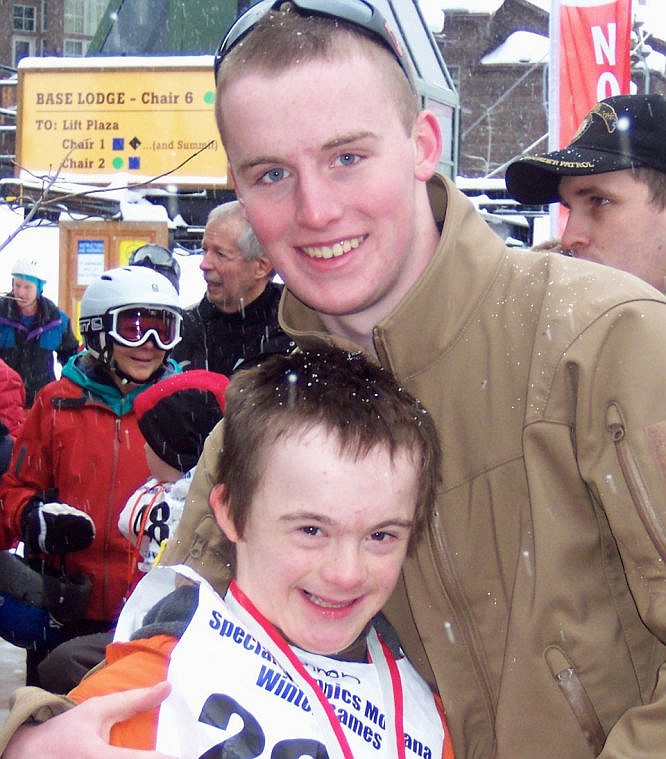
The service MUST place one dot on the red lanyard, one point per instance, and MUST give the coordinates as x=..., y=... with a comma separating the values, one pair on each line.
x=380, y=656
x=133, y=553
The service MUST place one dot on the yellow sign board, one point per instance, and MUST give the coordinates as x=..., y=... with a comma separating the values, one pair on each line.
x=139, y=119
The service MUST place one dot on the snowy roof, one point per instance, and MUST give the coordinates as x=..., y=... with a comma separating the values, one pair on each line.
x=519, y=47
x=528, y=48
x=543, y=4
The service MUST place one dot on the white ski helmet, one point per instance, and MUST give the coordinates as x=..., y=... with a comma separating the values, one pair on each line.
x=30, y=266
x=129, y=305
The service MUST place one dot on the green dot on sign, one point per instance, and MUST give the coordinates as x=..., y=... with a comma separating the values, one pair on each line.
x=118, y=162
x=209, y=98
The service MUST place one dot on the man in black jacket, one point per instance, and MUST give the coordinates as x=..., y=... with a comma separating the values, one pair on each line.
x=237, y=319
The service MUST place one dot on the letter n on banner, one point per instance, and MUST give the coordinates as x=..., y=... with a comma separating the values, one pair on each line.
x=589, y=61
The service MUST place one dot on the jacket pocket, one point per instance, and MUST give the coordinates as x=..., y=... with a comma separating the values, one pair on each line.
x=565, y=675
x=633, y=478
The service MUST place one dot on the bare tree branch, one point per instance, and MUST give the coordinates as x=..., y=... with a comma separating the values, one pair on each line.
x=43, y=201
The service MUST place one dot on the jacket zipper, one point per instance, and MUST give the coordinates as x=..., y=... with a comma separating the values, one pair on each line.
x=565, y=675
x=450, y=584
x=110, y=516
x=451, y=590
x=634, y=480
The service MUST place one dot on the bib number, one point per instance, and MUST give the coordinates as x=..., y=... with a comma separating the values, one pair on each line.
x=250, y=742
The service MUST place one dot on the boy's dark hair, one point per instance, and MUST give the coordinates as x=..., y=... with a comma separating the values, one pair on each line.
x=359, y=403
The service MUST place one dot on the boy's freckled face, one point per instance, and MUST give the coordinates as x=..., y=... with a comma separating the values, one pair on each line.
x=326, y=171
x=325, y=538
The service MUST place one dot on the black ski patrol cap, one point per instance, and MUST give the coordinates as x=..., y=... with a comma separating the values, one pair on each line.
x=621, y=132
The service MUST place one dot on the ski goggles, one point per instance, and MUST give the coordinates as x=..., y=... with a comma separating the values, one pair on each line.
x=132, y=326
x=356, y=12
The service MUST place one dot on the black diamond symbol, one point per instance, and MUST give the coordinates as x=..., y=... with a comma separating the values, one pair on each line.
x=135, y=142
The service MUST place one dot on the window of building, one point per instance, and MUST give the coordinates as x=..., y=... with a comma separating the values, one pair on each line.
x=44, y=16
x=74, y=16
x=81, y=17
x=73, y=48
x=24, y=18
x=21, y=49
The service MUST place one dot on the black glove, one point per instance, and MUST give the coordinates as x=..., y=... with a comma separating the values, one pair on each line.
x=55, y=527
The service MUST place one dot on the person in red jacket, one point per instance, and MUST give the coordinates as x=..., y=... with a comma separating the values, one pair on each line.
x=12, y=411
x=79, y=454
x=12, y=398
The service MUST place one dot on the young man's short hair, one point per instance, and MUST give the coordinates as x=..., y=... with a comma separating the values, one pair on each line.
x=281, y=39
x=355, y=400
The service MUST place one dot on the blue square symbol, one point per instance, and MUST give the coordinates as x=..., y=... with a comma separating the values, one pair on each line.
x=118, y=143
x=134, y=162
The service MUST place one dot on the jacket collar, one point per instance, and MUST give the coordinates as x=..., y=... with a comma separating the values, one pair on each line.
x=258, y=307
x=88, y=376
x=46, y=310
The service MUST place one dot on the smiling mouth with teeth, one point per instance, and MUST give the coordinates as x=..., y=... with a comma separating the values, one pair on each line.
x=333, y=251
x=317, y=601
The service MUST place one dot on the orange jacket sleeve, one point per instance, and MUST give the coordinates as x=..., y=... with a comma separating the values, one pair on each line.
x=136, y=664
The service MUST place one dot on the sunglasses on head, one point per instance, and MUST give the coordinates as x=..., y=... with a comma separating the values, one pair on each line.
x=155, y=256
x=132, y=326
x=356, y=12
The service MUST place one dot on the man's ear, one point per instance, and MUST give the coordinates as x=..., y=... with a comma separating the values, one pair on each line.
x=263, y=267
x=220, y=508
x=428, y=143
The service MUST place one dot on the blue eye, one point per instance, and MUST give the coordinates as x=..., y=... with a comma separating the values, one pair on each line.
x=347, y=159
x=274, y=175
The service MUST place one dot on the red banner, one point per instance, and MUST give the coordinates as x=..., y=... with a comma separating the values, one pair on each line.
x=592, y=58
x=589, y=61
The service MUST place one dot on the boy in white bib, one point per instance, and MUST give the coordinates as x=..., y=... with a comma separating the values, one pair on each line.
x=326, y=481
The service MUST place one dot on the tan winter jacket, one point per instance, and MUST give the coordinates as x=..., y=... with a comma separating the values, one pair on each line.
x=538, y=604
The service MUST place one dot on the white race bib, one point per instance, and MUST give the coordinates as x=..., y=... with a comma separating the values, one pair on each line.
x=240, y=693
